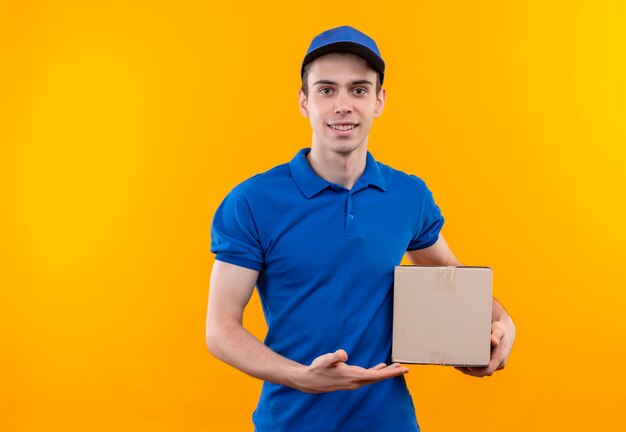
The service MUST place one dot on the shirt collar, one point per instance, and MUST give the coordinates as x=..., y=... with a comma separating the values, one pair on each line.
x=311, y=184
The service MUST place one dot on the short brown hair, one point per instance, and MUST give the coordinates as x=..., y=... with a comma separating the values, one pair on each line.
x=305, y=76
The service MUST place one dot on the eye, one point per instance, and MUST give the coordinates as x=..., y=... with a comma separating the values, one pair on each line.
x=325, y=90
x=360, y=91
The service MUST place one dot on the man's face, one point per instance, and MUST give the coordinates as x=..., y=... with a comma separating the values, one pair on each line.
x=342, y=102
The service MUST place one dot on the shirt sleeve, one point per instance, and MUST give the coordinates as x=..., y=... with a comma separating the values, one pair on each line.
x=428, y=226
x=234, y=237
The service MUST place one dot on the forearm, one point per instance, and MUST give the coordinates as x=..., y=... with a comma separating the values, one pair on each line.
x=231, y=343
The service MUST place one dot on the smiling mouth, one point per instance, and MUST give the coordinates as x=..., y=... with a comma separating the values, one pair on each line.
x=343, y=127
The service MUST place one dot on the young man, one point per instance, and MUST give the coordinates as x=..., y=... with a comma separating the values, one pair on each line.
x=320, y=237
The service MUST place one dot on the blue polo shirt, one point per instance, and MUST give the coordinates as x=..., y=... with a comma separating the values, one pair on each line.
x=326, y=257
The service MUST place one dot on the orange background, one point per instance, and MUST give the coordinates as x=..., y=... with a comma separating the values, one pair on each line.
x=123, y=125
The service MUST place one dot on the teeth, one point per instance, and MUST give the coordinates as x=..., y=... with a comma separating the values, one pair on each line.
x=342, y=127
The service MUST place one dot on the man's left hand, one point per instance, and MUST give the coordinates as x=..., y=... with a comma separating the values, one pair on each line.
x=502, y=337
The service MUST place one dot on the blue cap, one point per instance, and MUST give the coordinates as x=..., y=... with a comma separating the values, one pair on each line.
x=345, y=39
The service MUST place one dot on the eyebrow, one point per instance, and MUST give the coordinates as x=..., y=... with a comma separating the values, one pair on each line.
x=357, y=82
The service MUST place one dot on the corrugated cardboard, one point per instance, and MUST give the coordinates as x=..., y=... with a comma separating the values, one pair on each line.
x=442, y=315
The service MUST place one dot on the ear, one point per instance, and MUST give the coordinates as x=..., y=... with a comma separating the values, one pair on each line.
x=304, y=103
x=380, y=102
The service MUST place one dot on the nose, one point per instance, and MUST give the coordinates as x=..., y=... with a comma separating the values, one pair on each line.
x=342, y=105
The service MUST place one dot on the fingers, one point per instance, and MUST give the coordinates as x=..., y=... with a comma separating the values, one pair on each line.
x=474, y=371
x=486, y=371
x=379, y=366
x=495, y=341
x=379, y=372
x=497, y=333
x=464, y=370
x=397, y=366
x=369, y=376
x=393, y=370
x=358, y=377
x=494, y=364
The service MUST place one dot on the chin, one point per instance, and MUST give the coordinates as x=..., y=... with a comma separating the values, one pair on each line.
x=345, y=147
x=343, y=150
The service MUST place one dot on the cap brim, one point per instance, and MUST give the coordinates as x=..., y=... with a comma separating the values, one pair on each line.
x=355, y=48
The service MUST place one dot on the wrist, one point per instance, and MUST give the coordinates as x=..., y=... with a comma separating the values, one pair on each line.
x=295, y=375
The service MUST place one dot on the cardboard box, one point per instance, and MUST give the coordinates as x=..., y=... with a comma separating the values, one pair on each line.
x=442, y=315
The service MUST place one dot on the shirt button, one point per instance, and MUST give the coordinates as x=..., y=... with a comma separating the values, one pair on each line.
x=351, y=216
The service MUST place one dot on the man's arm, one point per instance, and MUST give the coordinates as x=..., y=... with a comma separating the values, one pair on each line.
x=229, y=341
x=502, y=326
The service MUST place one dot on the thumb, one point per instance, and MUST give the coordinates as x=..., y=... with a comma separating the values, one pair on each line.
x=495, y=340
x=497, y=333
x=330, y=359
x=339, y=356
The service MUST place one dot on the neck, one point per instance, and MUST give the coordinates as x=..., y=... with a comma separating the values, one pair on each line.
x=340, y=168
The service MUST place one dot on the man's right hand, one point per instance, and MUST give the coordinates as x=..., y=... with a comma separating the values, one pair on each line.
x=329, y=372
